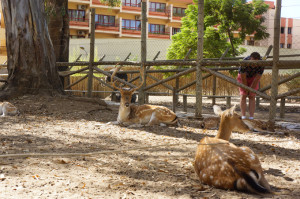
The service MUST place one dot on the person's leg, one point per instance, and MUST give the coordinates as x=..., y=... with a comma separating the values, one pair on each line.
x=251, y=106
x=243, y=105
x=243, y=99
x=252, y=98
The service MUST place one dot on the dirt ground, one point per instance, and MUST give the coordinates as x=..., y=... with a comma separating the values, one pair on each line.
x=120, y=162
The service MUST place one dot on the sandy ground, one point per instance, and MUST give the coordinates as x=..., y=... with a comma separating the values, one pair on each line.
x=148, y=162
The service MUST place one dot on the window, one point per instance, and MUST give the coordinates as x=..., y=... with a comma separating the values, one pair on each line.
x=77, y=15
x=175, y=30
x=281, y=45
x=178, y=12
x=289, y=30
x=131, y=24
x=289, y=46
x=282, y=30
x=157, y=29
x=105, y=20
x=157, y=7
x=131, y=3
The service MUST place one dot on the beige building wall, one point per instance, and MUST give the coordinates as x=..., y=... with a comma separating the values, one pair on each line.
x=3, y=53
x=296, y=34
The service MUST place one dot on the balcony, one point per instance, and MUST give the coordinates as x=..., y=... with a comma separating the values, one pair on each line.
x=131, y=7
x=131, y=32
x=177, y=17
x=107, y=28
x=159, y=35
x=99, y=4
x=80, y=1
x=159, y=13
x=80, y=23
x=181, y=1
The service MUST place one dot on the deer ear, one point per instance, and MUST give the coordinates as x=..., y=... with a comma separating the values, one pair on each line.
x=231, y=110
x=217, y=110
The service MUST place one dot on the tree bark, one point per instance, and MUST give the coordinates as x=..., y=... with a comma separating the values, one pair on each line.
x=58, y=24
x=30, y=53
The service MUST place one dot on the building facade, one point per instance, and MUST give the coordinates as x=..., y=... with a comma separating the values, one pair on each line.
x=289, y=31
x=164, y=20
x=124, y=21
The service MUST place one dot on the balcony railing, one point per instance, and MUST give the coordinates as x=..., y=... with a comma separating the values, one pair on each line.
x=159, y=34
x=107, y=27
x=79, y=22
x=97, y=2
x=131, y=4
x=131, y=30
x=177, y=16
x=159, y=12
x=131, y=7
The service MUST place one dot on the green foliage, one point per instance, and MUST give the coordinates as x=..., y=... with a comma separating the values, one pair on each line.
x=50, y=10
x=222, y=18
x=111, y=3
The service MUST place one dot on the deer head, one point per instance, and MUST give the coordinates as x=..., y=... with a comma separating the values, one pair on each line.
x=126, y=93
x=230, y=120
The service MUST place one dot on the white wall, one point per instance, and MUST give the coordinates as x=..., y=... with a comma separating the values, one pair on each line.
x=118, y=49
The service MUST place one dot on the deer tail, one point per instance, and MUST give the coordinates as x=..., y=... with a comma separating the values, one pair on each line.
x=249, y=181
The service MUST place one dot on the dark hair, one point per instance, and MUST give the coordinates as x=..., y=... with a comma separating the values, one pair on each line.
x=255, y=55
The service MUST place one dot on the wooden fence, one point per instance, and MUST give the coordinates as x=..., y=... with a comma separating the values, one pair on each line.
x=211, y=67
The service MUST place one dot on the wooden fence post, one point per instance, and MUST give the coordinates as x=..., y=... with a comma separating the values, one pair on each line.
x=228, y=102
x=265, y=57
x=175, y=100
x=92, y=47
x=274, y=87
x=200, y=25
x=282, y=107
x=215, y=79
x=174, y=94
x=184, y=103
x=143, y=50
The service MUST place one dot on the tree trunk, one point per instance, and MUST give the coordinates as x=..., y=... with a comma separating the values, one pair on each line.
x=58, y=24
x=30, y=53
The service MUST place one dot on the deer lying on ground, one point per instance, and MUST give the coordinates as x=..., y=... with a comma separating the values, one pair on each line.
x=131, y=114
x=7, y=108
x=221, y=164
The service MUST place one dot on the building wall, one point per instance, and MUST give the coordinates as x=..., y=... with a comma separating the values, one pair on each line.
x=296, y=34
x=3, y=54
x=285, y=38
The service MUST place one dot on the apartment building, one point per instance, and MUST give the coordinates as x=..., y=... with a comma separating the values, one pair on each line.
x=124, y=21
x=289, y=31
x=3, y=53
x=164, y=20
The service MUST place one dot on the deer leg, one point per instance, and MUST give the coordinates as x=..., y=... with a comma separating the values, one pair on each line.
x=153, y=120
x=5, y=113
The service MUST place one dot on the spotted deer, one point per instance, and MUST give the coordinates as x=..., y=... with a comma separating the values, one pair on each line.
x=7, y=108
x=131, y=114
x=221, y=164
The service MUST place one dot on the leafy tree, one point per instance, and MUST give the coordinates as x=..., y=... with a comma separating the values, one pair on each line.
x=221, y=19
